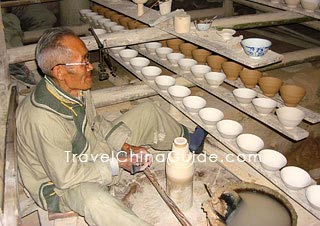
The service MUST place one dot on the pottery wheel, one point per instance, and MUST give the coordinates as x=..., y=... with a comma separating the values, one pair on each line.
x=139, y=194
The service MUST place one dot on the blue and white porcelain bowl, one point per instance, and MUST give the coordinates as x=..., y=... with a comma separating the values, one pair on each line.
x=255, y=47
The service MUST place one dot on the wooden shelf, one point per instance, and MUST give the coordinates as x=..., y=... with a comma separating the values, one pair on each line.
x=207, y=39
x=283, y=5
x=274, y=177
x=227, y=96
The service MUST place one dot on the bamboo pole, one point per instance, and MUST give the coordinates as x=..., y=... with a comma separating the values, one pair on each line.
x=173, y=207
x=296, y=57
x=260, y=20
x=4, y=77
x=23, y=2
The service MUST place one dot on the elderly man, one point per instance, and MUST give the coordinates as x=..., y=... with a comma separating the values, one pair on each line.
x=61, y=139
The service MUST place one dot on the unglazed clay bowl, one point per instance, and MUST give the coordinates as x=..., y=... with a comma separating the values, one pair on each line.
x=255, y=47
x=226, y=34
x=264, y=106
x=200, y=55
x=200, y=70
x=173, y=58
x=231, y=70
x=108, y=25
x=292, y=94
x=295, y=178
x=117, y=28
x=244, y=95
x=270, y=85
x=116, y=50
x=162, y=52
x=151, y=72
x=313, y=196
x=178, y=92
x=215, y=62
x=100, y=31
x=272, y=160
x=250, y=77
x=292, y=3
x=215, y=78
x=187, y=48
x=139, y=62
x=165, y=81
x=124, y=21
x=152, y=46
x=174, y=44
x=229, y=129
x=193, y=104
x=310, y=5
x=290, y=117
x=249, y=143
x=103, y=20
x=128, y=54
x=185, y=64
x=210, y=116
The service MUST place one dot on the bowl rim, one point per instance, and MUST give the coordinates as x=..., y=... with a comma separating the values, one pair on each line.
x=296, y=171
x=244, y=42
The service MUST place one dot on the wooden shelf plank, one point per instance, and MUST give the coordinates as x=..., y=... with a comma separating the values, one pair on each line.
x=282, y=5
x=227, y=96
x=274, y=177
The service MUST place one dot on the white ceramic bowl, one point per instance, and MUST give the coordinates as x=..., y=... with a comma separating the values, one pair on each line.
x=200, y=70
x=128, y=54
x=290, y=117
x=202, y=26
x=90, y=15
x=310, y=5
x=141, y=46
x=244, y=95
x=193, y=104
x=215, y=79
x=116, y=50
x=210, y=116
x=96, y=18
x=117, y=28
x=178, y=92
x=295, y=178
x=292, y=3
x=249, y=143
x=163, y=51
x=99, y=31
x=226, y=34
x=272, y=160
x=139, y=62
x=84, y=11
x=264, y=106
x=108, y=25
x=313, y=196
x=173, y=58
x=152, y=46
x=165, y=81
x=103, y=20
x=229, y=129
x=185, y=64
x=151, y=72
x=255, y=47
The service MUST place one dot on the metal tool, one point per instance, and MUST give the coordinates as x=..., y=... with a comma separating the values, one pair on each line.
x=105, y=63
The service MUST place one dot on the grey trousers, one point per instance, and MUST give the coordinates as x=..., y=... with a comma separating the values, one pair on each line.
x=150, y=126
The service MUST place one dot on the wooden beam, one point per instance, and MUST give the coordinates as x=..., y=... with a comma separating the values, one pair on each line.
x=23, y=2
x=205, y=13
x=260, y=20
x=26, y=53
x=264, y=8
x=4, y=77
x=228, y=8
x=296, y=57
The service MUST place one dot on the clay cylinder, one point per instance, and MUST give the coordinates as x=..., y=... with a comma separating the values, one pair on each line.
x=179, y=172
x=182, y=23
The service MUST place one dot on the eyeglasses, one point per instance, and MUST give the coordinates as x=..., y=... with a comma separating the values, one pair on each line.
x=87, y=63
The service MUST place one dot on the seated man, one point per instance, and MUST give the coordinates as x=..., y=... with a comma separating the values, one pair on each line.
x=59, y=137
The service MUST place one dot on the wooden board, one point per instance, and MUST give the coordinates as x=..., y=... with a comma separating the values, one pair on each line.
x=298, y=196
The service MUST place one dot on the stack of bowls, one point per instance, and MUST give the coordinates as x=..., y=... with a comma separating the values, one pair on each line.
x=231, y=70
x=215, y=62
x=250, y=77
x=187, y=48
x=200, y=55
x=270, y=85
x=292, y=94
x=290, y=117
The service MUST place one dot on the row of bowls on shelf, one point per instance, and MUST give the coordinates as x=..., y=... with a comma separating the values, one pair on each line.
x=307, y=5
